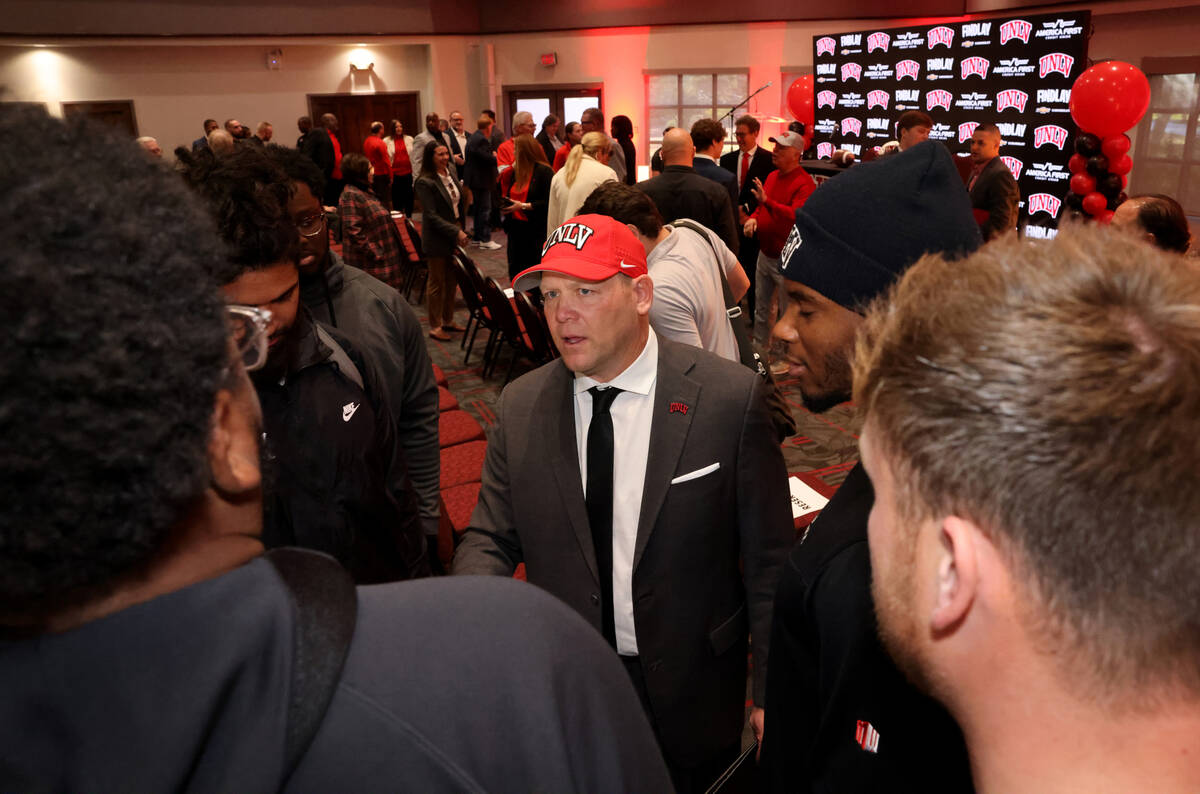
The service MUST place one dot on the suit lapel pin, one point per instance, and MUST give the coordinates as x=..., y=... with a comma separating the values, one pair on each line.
x=678, y=408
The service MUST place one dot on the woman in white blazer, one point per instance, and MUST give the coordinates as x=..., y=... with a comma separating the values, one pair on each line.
x=586, y=168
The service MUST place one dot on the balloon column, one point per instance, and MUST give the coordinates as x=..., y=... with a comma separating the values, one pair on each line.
x=800, y=101
x=1106, y=100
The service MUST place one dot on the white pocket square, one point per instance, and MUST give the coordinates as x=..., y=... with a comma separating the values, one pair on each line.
x=693, y=475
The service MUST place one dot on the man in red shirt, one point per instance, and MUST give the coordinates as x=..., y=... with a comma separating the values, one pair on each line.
x=522, y=124
x=376, y=151
x=785, y=192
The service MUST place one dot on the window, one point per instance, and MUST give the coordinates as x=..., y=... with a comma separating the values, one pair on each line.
x=676, y=99
x=1167, y=159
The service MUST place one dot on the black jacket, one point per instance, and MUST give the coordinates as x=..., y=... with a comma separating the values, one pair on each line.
x=830, y=676
x=525, y=238
x=679, y=192
x=190, y=692
x=438, y=224
x=382, y=324
x=547, y=146
x=336, y=477
x=760, y=166
x=996, y=193
x=480, y=167
x=319, y=148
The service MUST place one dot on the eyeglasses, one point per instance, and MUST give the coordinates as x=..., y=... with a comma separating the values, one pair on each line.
x=312, y=225
x=248, y=327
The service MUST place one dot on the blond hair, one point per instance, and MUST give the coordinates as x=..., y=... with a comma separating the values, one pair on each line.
x=593, y=143
x=1050, y=392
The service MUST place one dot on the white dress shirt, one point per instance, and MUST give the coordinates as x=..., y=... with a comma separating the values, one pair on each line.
x=632, y=413
x=738, y=173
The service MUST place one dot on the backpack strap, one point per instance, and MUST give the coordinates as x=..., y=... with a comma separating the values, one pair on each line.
x=339, y=356
x=326, y=608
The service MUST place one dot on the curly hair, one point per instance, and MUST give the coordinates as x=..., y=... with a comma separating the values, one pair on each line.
x=298, y=167
x=247, y=194
x=115, y=345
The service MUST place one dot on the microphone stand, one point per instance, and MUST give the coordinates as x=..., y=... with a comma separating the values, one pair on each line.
x=743, y=103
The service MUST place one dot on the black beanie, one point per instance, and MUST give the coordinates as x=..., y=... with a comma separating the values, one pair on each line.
x=859, y=231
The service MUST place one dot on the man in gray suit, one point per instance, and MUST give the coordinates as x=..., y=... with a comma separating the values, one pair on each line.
x=639, y=481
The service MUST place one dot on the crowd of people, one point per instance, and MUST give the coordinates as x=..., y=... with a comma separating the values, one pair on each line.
x=200, y=393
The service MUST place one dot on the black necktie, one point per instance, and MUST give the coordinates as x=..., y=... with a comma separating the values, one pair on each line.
x=599, y=498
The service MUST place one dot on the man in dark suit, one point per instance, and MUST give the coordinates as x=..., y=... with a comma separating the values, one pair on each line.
x=547, y=138
x=659, y=513
x=680, y=192
x=202, y=141
x=708, y=136
x=994, y=192
x=481, y=178
x=748, y=163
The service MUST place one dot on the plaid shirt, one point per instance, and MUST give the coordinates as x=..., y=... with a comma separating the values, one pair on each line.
x=369, y=237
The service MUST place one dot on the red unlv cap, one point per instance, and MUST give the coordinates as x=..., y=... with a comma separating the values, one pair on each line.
x=587, y=247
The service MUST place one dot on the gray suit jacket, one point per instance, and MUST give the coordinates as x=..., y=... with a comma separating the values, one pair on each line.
x=693, y=607
x=996, y=193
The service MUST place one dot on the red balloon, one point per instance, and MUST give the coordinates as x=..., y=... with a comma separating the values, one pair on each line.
x=1122, y=165
x=1114, y=146
x=800, y=101
x=1083, y=184
x=1105, y=217
x=1077, y=164
x=1094, y=203
x=1110, y=98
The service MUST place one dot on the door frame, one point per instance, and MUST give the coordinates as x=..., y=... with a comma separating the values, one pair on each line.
x=511, y=93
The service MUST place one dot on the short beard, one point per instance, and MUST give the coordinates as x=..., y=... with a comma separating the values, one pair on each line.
x=838, y=380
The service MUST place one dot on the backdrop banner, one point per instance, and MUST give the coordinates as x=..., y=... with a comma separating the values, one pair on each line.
x=1014, y=72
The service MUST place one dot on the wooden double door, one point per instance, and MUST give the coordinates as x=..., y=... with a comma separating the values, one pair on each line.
x=356, y=112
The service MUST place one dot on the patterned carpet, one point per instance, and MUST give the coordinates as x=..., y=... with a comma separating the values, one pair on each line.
x=826, y=445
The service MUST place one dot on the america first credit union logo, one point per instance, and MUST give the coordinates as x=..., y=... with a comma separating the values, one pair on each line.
x=826, y=45
x=824, y=149
x=1049, y=133
x=1044, y=202
x=975, y=66
x=907, y=69
x=1011, y=98
x=826, y=99
x=1014, y=165
x=878, y=99
x=941, y=35
x=938, y=99
x=851, y=126
x=966, y=130
x=1015, y=29
x=851, y=71
x=878, y=41
x=1055, y=62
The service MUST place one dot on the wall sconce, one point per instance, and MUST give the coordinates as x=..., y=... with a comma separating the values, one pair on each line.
x=275, y=60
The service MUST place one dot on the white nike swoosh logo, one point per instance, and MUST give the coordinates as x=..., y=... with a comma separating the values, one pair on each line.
x=631, y=267
x=348, y=411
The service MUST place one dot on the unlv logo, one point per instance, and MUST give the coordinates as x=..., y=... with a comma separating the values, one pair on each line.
x=1015, y=29
x=1011, y=98
x=907, y=69
x=1044, y=202
x=1049, y=133
x=575, y=234
x=878, y=41
x=966, y=130
x=826, y=98
x=851, y=127
x=851, y=71
x=941, y=35
x=878, y=99
x=826, y=45
x=938, y=99
x=1055, y=62
x=974, y=66
x=824, y=150
x=1014, y=166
